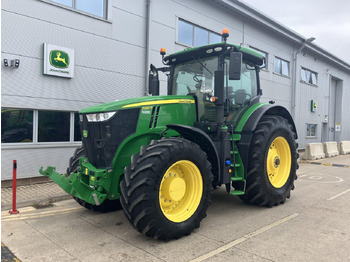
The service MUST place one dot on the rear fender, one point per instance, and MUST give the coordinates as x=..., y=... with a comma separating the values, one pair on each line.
x=249, y=127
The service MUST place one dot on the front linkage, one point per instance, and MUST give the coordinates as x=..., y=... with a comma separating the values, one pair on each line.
x=88, y=184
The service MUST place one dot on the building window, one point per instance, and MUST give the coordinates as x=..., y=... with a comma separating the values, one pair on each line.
x=308, y=76
x=53, y=126
x=193, y=35
x=33, y=126
x=264, y=65
x=281, y=67
x=16, y=125
x=94, y=7
x=311, y=130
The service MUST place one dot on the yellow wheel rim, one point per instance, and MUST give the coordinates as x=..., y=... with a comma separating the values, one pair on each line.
x=279, y=162
x=180, y=191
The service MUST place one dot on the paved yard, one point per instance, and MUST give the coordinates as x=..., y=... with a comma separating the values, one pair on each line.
x=313, y=225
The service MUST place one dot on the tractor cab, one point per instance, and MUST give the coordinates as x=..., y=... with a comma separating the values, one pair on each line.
x=223, y=78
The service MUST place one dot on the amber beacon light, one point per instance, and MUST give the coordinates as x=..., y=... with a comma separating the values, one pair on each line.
x=162, y=51
x=225, y=34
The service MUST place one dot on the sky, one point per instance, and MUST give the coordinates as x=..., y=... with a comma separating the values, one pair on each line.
x=328, y=21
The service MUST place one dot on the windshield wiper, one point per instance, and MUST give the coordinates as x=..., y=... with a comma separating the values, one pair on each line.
x=202, y=64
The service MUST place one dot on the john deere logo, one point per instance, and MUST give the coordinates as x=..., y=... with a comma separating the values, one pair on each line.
x=85, y=133
x=59, y=59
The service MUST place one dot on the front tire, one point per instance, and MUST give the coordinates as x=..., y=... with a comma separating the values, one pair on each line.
x=272, y=162
x=167, y=188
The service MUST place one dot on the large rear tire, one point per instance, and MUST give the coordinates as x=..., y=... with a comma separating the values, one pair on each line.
x=167, y=188
x=272, y=162
x=107, y=205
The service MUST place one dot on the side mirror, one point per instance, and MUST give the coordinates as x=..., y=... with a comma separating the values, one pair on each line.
x=153, y=81
x=235, y=65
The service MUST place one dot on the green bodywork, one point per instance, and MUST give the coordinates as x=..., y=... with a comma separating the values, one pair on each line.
x=95, y=185
x=105, y=183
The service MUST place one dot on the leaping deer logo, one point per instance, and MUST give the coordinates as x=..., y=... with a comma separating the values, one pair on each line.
x=59, y=59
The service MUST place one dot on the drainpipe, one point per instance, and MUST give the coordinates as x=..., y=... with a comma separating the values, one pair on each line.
x=294, y=77
x=147, y=47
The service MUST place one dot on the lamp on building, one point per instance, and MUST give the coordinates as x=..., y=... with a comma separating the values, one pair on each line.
x=15, y=63
x=305, y=41
x=12, y=63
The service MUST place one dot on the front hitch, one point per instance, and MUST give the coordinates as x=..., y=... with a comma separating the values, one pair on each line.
x=74, y=186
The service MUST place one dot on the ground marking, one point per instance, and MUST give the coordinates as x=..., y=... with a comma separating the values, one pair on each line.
x=338, y=195
x=244, y=238
x=41, y=214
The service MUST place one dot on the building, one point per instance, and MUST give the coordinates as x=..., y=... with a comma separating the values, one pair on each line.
x=111, y=44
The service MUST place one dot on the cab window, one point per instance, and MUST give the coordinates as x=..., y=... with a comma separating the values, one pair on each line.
x=196, y=78
x=240, y=92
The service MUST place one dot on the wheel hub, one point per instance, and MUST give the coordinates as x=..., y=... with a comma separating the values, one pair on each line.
x=174, y=188
x=277, y=162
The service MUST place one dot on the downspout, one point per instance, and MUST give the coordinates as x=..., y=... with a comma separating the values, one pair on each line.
x=147, y=47
x=294, y=78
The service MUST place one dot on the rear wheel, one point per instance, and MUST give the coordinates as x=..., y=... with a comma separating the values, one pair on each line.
x=107, y=205
x=167, y=188
x=272, y=162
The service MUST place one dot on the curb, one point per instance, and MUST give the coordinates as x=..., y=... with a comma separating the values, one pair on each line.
x=323, y=164
x=327, y=164
x=54, y=199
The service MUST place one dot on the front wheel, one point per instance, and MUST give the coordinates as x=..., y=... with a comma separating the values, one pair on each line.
x=167, y=188
x=272, y=162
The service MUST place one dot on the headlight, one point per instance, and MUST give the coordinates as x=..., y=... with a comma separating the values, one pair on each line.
x=99, y=117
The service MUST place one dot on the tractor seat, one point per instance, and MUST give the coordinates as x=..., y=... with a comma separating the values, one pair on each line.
x=240, y=97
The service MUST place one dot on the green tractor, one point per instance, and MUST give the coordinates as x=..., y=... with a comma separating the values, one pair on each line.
x=159, y=158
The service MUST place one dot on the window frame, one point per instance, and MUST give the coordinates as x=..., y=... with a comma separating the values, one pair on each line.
x=35, y=143
x=310, y=77
x=106, y=8
x=311, y=136
x=281, y=60
x=194, y=26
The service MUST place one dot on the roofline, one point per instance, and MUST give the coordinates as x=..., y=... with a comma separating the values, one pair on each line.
x=248, y=12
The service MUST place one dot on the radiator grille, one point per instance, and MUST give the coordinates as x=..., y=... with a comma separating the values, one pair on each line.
x=103, y=138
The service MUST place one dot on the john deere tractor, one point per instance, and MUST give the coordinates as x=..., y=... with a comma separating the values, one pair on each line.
x=159, y=158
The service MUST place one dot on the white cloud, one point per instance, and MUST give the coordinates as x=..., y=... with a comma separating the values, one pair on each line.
x=327, y=21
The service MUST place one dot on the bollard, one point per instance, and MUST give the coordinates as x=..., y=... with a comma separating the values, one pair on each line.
x=14, y=187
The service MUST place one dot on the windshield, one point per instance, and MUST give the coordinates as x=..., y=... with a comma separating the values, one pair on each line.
x=196, y=78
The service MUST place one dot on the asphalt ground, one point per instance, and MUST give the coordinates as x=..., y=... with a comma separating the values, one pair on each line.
x=313, y=225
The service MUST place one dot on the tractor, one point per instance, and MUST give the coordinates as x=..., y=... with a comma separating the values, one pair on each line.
x=160, y=157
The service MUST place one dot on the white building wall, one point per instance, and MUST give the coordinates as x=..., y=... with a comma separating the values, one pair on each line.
x=109, y=65
x=110, y=57
x=322, y=94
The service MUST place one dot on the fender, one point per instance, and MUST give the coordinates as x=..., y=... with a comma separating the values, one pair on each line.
x=199, y=137
x=249, y=127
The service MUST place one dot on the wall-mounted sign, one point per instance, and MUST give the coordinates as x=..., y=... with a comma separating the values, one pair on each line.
x=337, y=127
x=313, y=106
x=58, y=61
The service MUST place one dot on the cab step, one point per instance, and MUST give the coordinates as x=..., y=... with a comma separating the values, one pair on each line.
x=237, y=192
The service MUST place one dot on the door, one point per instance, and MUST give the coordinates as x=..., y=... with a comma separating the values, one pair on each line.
x=335, y=105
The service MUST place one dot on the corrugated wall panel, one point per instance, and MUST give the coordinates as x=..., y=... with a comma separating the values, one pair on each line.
x=30, y=160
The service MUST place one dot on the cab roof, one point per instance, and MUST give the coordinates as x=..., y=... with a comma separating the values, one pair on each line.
x=188, y=54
